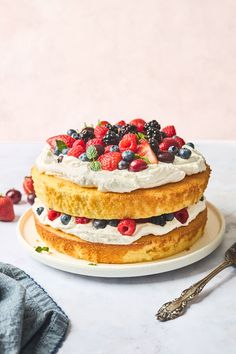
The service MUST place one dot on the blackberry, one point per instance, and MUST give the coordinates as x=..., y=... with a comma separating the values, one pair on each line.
x=163, y=135
x=154, y=145
x=111, y=138
x=87, y=134
x=127, y=128
x=152, y=124
x=113, y=128
x=154, y=133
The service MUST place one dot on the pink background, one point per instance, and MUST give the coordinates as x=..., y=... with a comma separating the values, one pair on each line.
x=64, y=62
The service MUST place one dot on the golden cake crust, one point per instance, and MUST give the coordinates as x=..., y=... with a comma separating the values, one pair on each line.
x=147, y=248
x=70, y=198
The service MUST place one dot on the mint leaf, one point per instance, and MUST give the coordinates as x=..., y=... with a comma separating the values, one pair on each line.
x=91, y=152
x=40, y=249
x=141, y=136
x=137, y=156
x=95, y=166
x=61, y=145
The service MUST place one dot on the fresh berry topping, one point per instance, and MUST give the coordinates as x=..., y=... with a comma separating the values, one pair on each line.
x=110, y=160
x=79, y=142
x=144, y=150
x=114, y=148
x=6, y=209
x=84, y=157
x=169, y=217
x=39, y=210
x=53, y=214
x=137, y=165
x=103, y=123
x=65, y=151
x=127, y=227
x=30, y=198
x=65, y=219
x=95, y=141
x=154, y=133
x=28, y=185
x=166, y=156
x=67, y=140
x=121, y=123
x=128, y=155
x=191, y=145
x=158, y=220
x=184, y=153
x=111, y=138
x=75, y=136
x=169, y=131
x=167, y=142
x=128, y=142
x=76, y=151
x=139, y=124
x=113, y=128
x=15, y=195
x=71, y=131
x=107, y=148
x=100, y=131
x=173, y=149
x=182, y=215
x=113, y=222
x=123, y=165
x=82, y=220
x=99, y=224
x=87, y=133
x=154, y=145
x=180, y=141
x=100, y=149
x=152, y=124
x=127, y=128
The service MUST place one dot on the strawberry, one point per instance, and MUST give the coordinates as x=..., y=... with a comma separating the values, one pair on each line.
x=138, y=123
x=100, y=131
x=6, y=209
x=67, y=139
x=145, y=150
x=103, y=123
x=81, y=220
x=110, y=160
x=76, y=151
x=53, y=214
x=127, y=227
x=96, y=141
x=28, y=185
x=128, y=142
x=182, y=215
x=167, y=142
x=180, y=141
x=120, y=123
x=79, y=142
x=169, y=131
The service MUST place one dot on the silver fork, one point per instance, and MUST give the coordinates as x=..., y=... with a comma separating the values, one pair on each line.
x=175, y=308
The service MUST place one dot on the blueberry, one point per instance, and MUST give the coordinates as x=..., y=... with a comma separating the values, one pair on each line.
x=56, y=151
x=71, y=131
x=184, y=153
x=158, y=220
x=123, y=165
x=173, y=149
x=39, y=210
x=99, y=224
x=114, y=148
x=83, y=157
x=65, y=151
x=113, y=222
x=75, y=135
x=65, y=219
x=191, y=144
x=128, y=155
x=169, y=217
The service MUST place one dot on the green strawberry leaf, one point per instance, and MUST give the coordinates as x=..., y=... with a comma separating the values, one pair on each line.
x=61, y=145
x=95, y=166
x=91, y=152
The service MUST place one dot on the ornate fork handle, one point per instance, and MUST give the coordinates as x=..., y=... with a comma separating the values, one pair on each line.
x=176, y=308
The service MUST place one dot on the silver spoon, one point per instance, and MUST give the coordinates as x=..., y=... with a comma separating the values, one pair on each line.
x=177, y=307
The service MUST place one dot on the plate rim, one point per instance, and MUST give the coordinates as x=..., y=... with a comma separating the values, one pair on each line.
x=82, y=267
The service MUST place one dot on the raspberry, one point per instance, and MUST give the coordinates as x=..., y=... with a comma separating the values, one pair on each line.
x=138, y=123
x=79, y=142
x=100, y=131
x=169, y=131
x=128, y=142
x=110, y=160
x=53, y=214
x=127, y=227
x=180, y=141
x=107, y=148
x=182, y=215
x=81, y=220
x=76, y=151
x=167, y=142
x=95, y=141
x=67, y=139
x=121, y=123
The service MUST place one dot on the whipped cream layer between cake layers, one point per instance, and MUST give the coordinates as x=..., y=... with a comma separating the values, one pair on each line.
x=110, y=234
x=120, y=181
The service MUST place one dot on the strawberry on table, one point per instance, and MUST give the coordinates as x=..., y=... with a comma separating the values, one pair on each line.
x=145, y=150
x=128, y=142
x=28, y=185
x=67, y=139
x=110, y=160
x=6, y=209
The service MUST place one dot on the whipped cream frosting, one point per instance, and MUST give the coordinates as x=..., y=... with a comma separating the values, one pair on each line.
x=120, y=181
x=110, y=234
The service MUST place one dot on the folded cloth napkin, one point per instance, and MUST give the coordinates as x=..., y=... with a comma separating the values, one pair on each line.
x=30, y=321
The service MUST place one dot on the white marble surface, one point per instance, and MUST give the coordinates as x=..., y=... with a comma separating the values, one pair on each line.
x=117, y=315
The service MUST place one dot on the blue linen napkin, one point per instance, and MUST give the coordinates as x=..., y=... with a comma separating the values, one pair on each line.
x=30, y=321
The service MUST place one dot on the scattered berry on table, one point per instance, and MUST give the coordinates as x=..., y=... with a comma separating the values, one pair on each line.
x=191, y=145
x=30, y=198
x=139, y=123
x=128, y=142
x=158, y=220
x=76, y=151
x=173, y=149
x=113, y=222
x=39, y=210
x=53, y=214
x=123, y=165
x=82, y=220
x=128, y=155
x=6, y=209
x=65, y=219
x=137, y=165
x=145, y=150
x=28, y=185
x=182, y=215
x=127, y=128
x=184, y=153
x=114, y=148
x=111, y=138
x=15, y=195
x=166, y=156
x=127, y=227
x=110, y=160
x=169, y=131
x=99, y=224
x=100, y=131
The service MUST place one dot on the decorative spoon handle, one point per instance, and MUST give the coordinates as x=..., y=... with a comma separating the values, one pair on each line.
x=176, y=308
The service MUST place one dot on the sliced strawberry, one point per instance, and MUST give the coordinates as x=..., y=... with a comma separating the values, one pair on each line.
x=128, y=142
x=180, y=141
x=79, y=142
x=110, y=160
x=167, y=142
x=6, y=209
x=138, y=123
x=100, y=131
x=95, y=141
x=67, y=139
x=53, y=214
x=145, y=150
x=76, y=151
x=28, y=185
x=169, y=131
x=121, y=123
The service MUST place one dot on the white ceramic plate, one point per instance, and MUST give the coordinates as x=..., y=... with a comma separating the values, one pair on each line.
x=29, y=238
